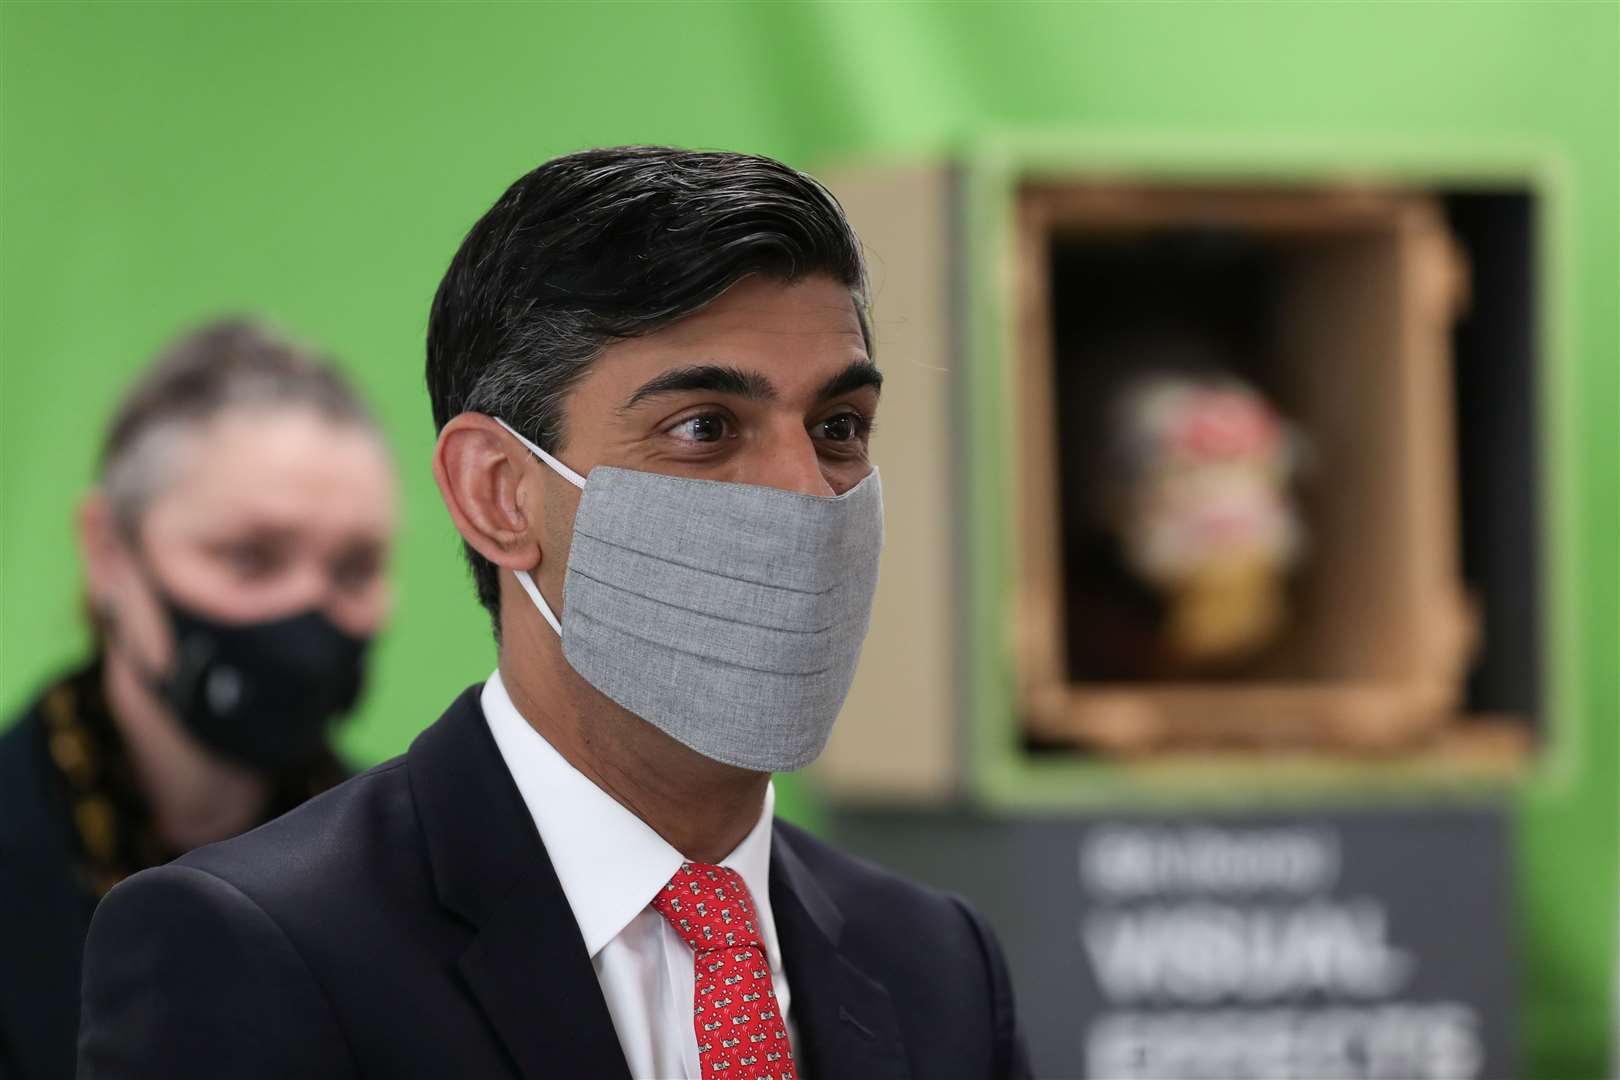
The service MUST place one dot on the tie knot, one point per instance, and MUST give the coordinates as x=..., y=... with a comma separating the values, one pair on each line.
x=710, y=907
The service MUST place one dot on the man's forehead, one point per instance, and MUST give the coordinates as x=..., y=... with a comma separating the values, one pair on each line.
x=796, y=337
x=801, y=311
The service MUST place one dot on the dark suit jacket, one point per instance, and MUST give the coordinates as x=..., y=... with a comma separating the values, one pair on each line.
x=408, y=924
x=44, y=912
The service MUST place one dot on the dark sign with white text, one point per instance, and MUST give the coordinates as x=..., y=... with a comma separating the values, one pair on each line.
x=1334, y=946
x=1255, y=951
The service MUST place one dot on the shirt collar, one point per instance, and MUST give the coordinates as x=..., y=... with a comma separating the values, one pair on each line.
x=610, y=863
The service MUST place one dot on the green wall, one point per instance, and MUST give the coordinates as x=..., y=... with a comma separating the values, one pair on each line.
x=319, y=162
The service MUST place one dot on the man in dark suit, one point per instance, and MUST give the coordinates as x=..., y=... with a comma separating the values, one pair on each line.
x=651, y=372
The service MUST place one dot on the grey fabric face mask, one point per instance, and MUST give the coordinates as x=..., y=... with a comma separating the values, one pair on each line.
x=729, y=616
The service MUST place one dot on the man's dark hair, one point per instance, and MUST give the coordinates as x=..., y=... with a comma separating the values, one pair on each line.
x=603, y=245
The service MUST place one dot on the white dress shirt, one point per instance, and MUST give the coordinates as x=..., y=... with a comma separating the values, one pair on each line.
x=611, y=864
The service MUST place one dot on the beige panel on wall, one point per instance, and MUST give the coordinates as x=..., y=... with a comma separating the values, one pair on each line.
x=897, y=737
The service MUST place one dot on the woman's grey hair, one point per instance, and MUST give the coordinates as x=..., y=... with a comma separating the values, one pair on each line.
x=233, y=363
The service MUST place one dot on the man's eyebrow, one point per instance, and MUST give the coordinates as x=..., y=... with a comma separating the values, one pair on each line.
x=718, y=378
x=858, y=376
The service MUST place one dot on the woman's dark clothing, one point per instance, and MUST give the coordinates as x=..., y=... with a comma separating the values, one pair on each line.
x=72, y=825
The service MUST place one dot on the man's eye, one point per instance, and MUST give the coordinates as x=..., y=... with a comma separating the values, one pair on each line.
x=845, y=427
x=708, y=428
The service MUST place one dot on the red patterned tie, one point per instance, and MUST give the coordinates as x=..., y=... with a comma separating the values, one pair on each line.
x=740, y=1031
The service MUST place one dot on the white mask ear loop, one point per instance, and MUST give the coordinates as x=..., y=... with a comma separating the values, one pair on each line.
x=524, y=577
x=556, y=466
x=526, y=580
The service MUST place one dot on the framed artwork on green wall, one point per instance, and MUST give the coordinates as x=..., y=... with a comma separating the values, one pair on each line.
x=1401, y=312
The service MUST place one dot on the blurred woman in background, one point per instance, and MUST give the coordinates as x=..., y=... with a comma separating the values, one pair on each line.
x=235, y=553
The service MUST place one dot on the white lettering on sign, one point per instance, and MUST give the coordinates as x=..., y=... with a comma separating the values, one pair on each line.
x=1202, y=952
x=1437, y=1041
x=1225, y=953
x=1133, y=860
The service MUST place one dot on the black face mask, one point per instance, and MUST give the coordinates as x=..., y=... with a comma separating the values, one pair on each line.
x=262, y=694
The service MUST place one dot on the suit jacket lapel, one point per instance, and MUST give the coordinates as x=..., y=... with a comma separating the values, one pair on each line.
x=527, y=966
x=845, y=1019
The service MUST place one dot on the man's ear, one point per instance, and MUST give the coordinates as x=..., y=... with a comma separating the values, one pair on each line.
x=480, y=471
